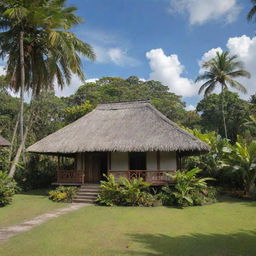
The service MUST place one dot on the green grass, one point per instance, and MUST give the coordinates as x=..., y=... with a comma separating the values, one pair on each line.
x=225, y=228
x=26, y=206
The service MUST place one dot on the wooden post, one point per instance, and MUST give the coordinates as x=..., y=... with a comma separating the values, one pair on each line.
x=178, y=161
x=58, y=168
x=109, y=162
x=158, y=160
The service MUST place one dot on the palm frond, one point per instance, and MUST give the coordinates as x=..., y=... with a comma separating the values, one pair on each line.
x=236, y=85
x=239, y=73
x=251, y=14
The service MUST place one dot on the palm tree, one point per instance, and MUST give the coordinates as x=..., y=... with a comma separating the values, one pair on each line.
x=251, y=14
x=39, y=47
x=221, y=71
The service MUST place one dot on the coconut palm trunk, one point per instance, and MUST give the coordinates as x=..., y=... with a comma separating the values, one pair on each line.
x=22, y=89
x=18, y=154
x=223, y=112
x=222, y=70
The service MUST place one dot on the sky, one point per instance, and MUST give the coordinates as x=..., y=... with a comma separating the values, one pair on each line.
x=164, y=40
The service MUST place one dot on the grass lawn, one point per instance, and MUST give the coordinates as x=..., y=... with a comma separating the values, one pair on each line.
x=26, y=206
x=225, y=228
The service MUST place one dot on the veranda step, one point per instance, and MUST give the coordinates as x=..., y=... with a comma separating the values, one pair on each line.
x=87, y=193
x=90, y=185
x=79, y=193
x=90, y=189
x=89, y=201
x=86, y=196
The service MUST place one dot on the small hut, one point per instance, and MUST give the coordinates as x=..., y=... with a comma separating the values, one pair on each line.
x=130, y=139
x=4, y=142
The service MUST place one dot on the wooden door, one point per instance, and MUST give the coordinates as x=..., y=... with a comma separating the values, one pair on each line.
x=92, y=168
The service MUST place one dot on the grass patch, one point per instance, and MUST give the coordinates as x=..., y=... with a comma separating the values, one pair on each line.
x=225, y=228
x=26, y=206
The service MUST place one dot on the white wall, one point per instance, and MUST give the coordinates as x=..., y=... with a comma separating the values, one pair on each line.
x=79, y=162
x=168, y=161
x=119, y=161
x=151, y=161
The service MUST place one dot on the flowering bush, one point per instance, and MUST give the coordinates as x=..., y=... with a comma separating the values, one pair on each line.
x=62, y=194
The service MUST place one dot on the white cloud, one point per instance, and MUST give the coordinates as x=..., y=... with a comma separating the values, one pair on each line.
x=168, y=70
x=202, y=11
x=190, y=108
x=116, y=55
x=91, y=80
x=245, y=48
x=109, y=47
x=208, y=56
x=72, y=88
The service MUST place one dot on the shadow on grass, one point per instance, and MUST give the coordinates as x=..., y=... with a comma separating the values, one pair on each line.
x=229, y=199
x=241, y=243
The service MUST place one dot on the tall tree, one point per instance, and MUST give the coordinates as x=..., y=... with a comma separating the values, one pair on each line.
x=222, y=70
x=236, y=112
x=39, y=47
x=251, y=14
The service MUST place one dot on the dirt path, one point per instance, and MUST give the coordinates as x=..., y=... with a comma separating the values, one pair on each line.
x=6, y=233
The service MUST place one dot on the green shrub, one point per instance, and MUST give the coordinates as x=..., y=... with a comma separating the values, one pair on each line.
x=39, y=172
x=240, y=159
x=63, y=194
x=8, y=187
x=126, y=193
x=188, y=190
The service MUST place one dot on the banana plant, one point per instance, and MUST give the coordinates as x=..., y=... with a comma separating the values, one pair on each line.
x=186, y=183
x=241, y=159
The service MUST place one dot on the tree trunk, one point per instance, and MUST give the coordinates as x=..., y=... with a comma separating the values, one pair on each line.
x=16, y=159
x=18, y=153
x=22, y=89
x=223, y=113
x=13, y=138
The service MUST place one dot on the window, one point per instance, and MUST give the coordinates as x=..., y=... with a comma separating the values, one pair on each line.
x=137, y=161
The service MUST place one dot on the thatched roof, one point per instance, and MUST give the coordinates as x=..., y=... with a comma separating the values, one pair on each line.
x=125, y=127
x=4, y=142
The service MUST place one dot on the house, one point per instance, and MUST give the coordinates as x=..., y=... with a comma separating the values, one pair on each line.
x=4, y=142
x=130, y=139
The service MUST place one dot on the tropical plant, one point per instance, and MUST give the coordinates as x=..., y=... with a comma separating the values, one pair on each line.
x=39, y=48
x=222, y=70
x=125, y=192
x=251, y=123
x=39, y=172
x=188, y=189
x=110, y=193
x=241, y=159
x=210, y=163
x=63, y=194
x=8, y=188
x=251, y=14
x=135, y=191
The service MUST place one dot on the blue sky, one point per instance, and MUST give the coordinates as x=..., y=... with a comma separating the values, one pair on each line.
x=158, y=39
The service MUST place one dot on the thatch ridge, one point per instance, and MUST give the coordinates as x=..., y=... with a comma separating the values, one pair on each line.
x=120, y=126
x=4, y=142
